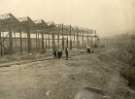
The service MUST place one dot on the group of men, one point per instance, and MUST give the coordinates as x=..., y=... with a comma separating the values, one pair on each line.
x=89, y=50
x=58, y=53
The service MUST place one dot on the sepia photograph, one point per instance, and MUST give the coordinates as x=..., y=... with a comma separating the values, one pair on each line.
x=67, y=49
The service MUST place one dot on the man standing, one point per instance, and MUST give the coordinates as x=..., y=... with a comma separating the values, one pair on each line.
x=66, y=52
x=55, y=53
x=59, y=53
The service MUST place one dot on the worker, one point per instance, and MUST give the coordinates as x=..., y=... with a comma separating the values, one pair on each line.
x=88, y=49
x=59, y=53
x=66, y=52
x=55, y=53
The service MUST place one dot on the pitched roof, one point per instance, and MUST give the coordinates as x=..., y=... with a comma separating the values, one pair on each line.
x=25, y=19
x=8, y=20
x=49, y=23
x=40, y=21
x=6, y=16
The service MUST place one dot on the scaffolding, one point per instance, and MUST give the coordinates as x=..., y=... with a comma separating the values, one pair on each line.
x=25, y=35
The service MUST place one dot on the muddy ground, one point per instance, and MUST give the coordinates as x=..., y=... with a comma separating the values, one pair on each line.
x=62, y=79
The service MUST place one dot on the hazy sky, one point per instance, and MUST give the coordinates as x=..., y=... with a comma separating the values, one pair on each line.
x=106, y=16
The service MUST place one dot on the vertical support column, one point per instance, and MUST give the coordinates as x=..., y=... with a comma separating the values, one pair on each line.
x=14, y=40
x=36, y=41
x=29, y=42
x=74, y=39
x=67, y=44
x=70, y=38
x=77, y=39
x=70, y=44
x=25, y=40
x=58, y=37
x=49, y=45
x=53, y=41
x=21, y=48
x=67, y=41
x=83, y=42
x=10, y=42
x=62, y=38
x=46, y=40
x=42, y=35
x=91, y=41
x=1, y=45
x=87, y=42
x=95, y=39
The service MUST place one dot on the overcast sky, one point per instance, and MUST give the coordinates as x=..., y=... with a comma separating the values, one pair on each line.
x=106, y=16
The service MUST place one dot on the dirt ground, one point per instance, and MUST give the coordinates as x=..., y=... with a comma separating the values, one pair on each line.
x=62, y=79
